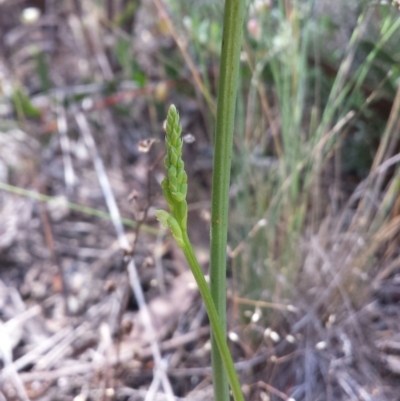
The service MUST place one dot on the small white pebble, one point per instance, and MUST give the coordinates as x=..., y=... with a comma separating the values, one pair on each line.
x=73, y=304
x=331, y=321
x=275, y=337
x=261, y=5
x=30, y=15
x=360, y=241
x=255, y=317
x=248, y=313
x=321, y=345
x=146, y=36
x=207, y=346
x=233, y=336
x=262, y=223
x=290, y=339
x=110, y=392
x=62, y=382
x=87, y=103
x=192, y=285
x=188, y=138
x=246, y=390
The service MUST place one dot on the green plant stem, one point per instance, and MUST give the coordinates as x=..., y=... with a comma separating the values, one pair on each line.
x=227, y=90
x=216, y=327
x=73, y=206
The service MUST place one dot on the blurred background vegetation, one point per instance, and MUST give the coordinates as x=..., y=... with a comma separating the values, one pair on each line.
x=314, y=258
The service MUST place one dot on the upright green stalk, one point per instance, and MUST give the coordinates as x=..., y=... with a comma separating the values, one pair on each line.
x=174, y=188
x=227, y=91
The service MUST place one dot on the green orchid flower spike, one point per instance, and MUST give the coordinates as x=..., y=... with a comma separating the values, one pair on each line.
x=174, y=187
x=175, y=184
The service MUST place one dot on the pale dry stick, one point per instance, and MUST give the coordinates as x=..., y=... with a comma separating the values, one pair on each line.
x=267, y=110
x=124, y=357
x=386, y=203
x=146, y=319
x=106, y=118
x=387, y=232
x=86, y=36
x=62, y=349
x=337, y=280
x=92, y=28
x=388, y=270
x=320, y=299
x=158, y=261
x=388, y=163
x=31, y=356
x=75, y=25
x=69, y=175
x=117, y=304
x=274, y=390
x=80, y=368
x=176, y=342
x=103, y=353
x=265, y=304
x=152, y=390
x=103, y=180
x=124, y=243
x=9, y=370
x=8, y=334
x=240, y=247
x=138, y=394
x=251, y=100
x=350, y=115
x=22, y=317
x=85, y=90
x=182, y=47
